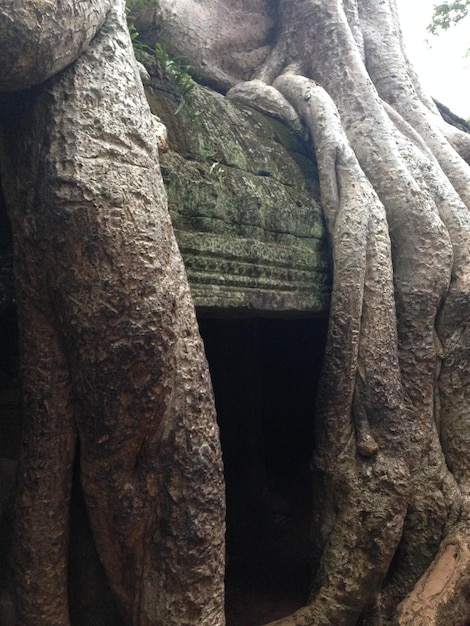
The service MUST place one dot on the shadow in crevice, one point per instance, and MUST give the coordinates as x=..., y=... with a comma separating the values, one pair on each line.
x=91, y=602
x=264, y=373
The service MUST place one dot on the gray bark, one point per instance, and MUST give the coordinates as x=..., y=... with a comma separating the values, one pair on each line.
x=38, y=38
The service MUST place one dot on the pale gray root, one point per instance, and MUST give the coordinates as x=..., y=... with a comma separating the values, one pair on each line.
x=224, y=41
x=389, y=71
x=362, y=301
x=452, y=398
x=352, y=15
x=274, y=63
x=423, y=259
x=425, y=253
x=452, y=414
x=450, y=404
x=38, y=38
x=457, y=138
x=258, y=95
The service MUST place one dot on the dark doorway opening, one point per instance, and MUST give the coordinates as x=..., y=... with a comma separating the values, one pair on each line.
x=265, y=373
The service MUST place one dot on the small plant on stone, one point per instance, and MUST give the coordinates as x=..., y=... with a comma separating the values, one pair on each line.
x=178, y=73
x=171, y=68
x=132, y=8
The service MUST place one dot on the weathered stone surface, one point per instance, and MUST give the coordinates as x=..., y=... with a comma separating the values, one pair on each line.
x=242, y=192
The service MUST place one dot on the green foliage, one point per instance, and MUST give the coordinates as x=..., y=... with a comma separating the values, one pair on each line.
x=139, y=46
x=132, y=8
x=173, y=69
x=178, y=72
x=448, y=14
x=135, y=5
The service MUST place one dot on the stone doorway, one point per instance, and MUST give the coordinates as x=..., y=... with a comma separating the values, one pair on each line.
x=265, y=372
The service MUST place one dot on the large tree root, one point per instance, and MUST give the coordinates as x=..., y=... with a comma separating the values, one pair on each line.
x=441, y=594
x=392, y=470
x=111, y=350
x=410, y=166
x=353, y=456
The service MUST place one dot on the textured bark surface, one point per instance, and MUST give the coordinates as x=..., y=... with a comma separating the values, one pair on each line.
x=110, y=351
x=390, y=467
x=208, y=34
x=38, y=38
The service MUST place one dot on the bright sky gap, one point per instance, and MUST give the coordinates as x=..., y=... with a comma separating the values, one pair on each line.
x=441, y=61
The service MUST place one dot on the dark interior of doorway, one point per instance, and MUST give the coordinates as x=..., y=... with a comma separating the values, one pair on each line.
x=264, y=373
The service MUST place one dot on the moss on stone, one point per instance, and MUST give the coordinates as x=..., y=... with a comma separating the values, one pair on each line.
x=243, y=194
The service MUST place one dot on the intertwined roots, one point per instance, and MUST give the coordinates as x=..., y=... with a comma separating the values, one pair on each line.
x=391, y=466
x=393, y=407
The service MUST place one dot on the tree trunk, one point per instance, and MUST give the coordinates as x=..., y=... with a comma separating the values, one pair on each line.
x=110, y=350
x=391, y=470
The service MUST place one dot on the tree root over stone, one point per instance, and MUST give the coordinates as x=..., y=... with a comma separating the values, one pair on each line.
x=395, y=190
x=391, y=517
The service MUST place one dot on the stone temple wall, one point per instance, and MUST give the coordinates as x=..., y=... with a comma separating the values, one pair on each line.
x=243, y=196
